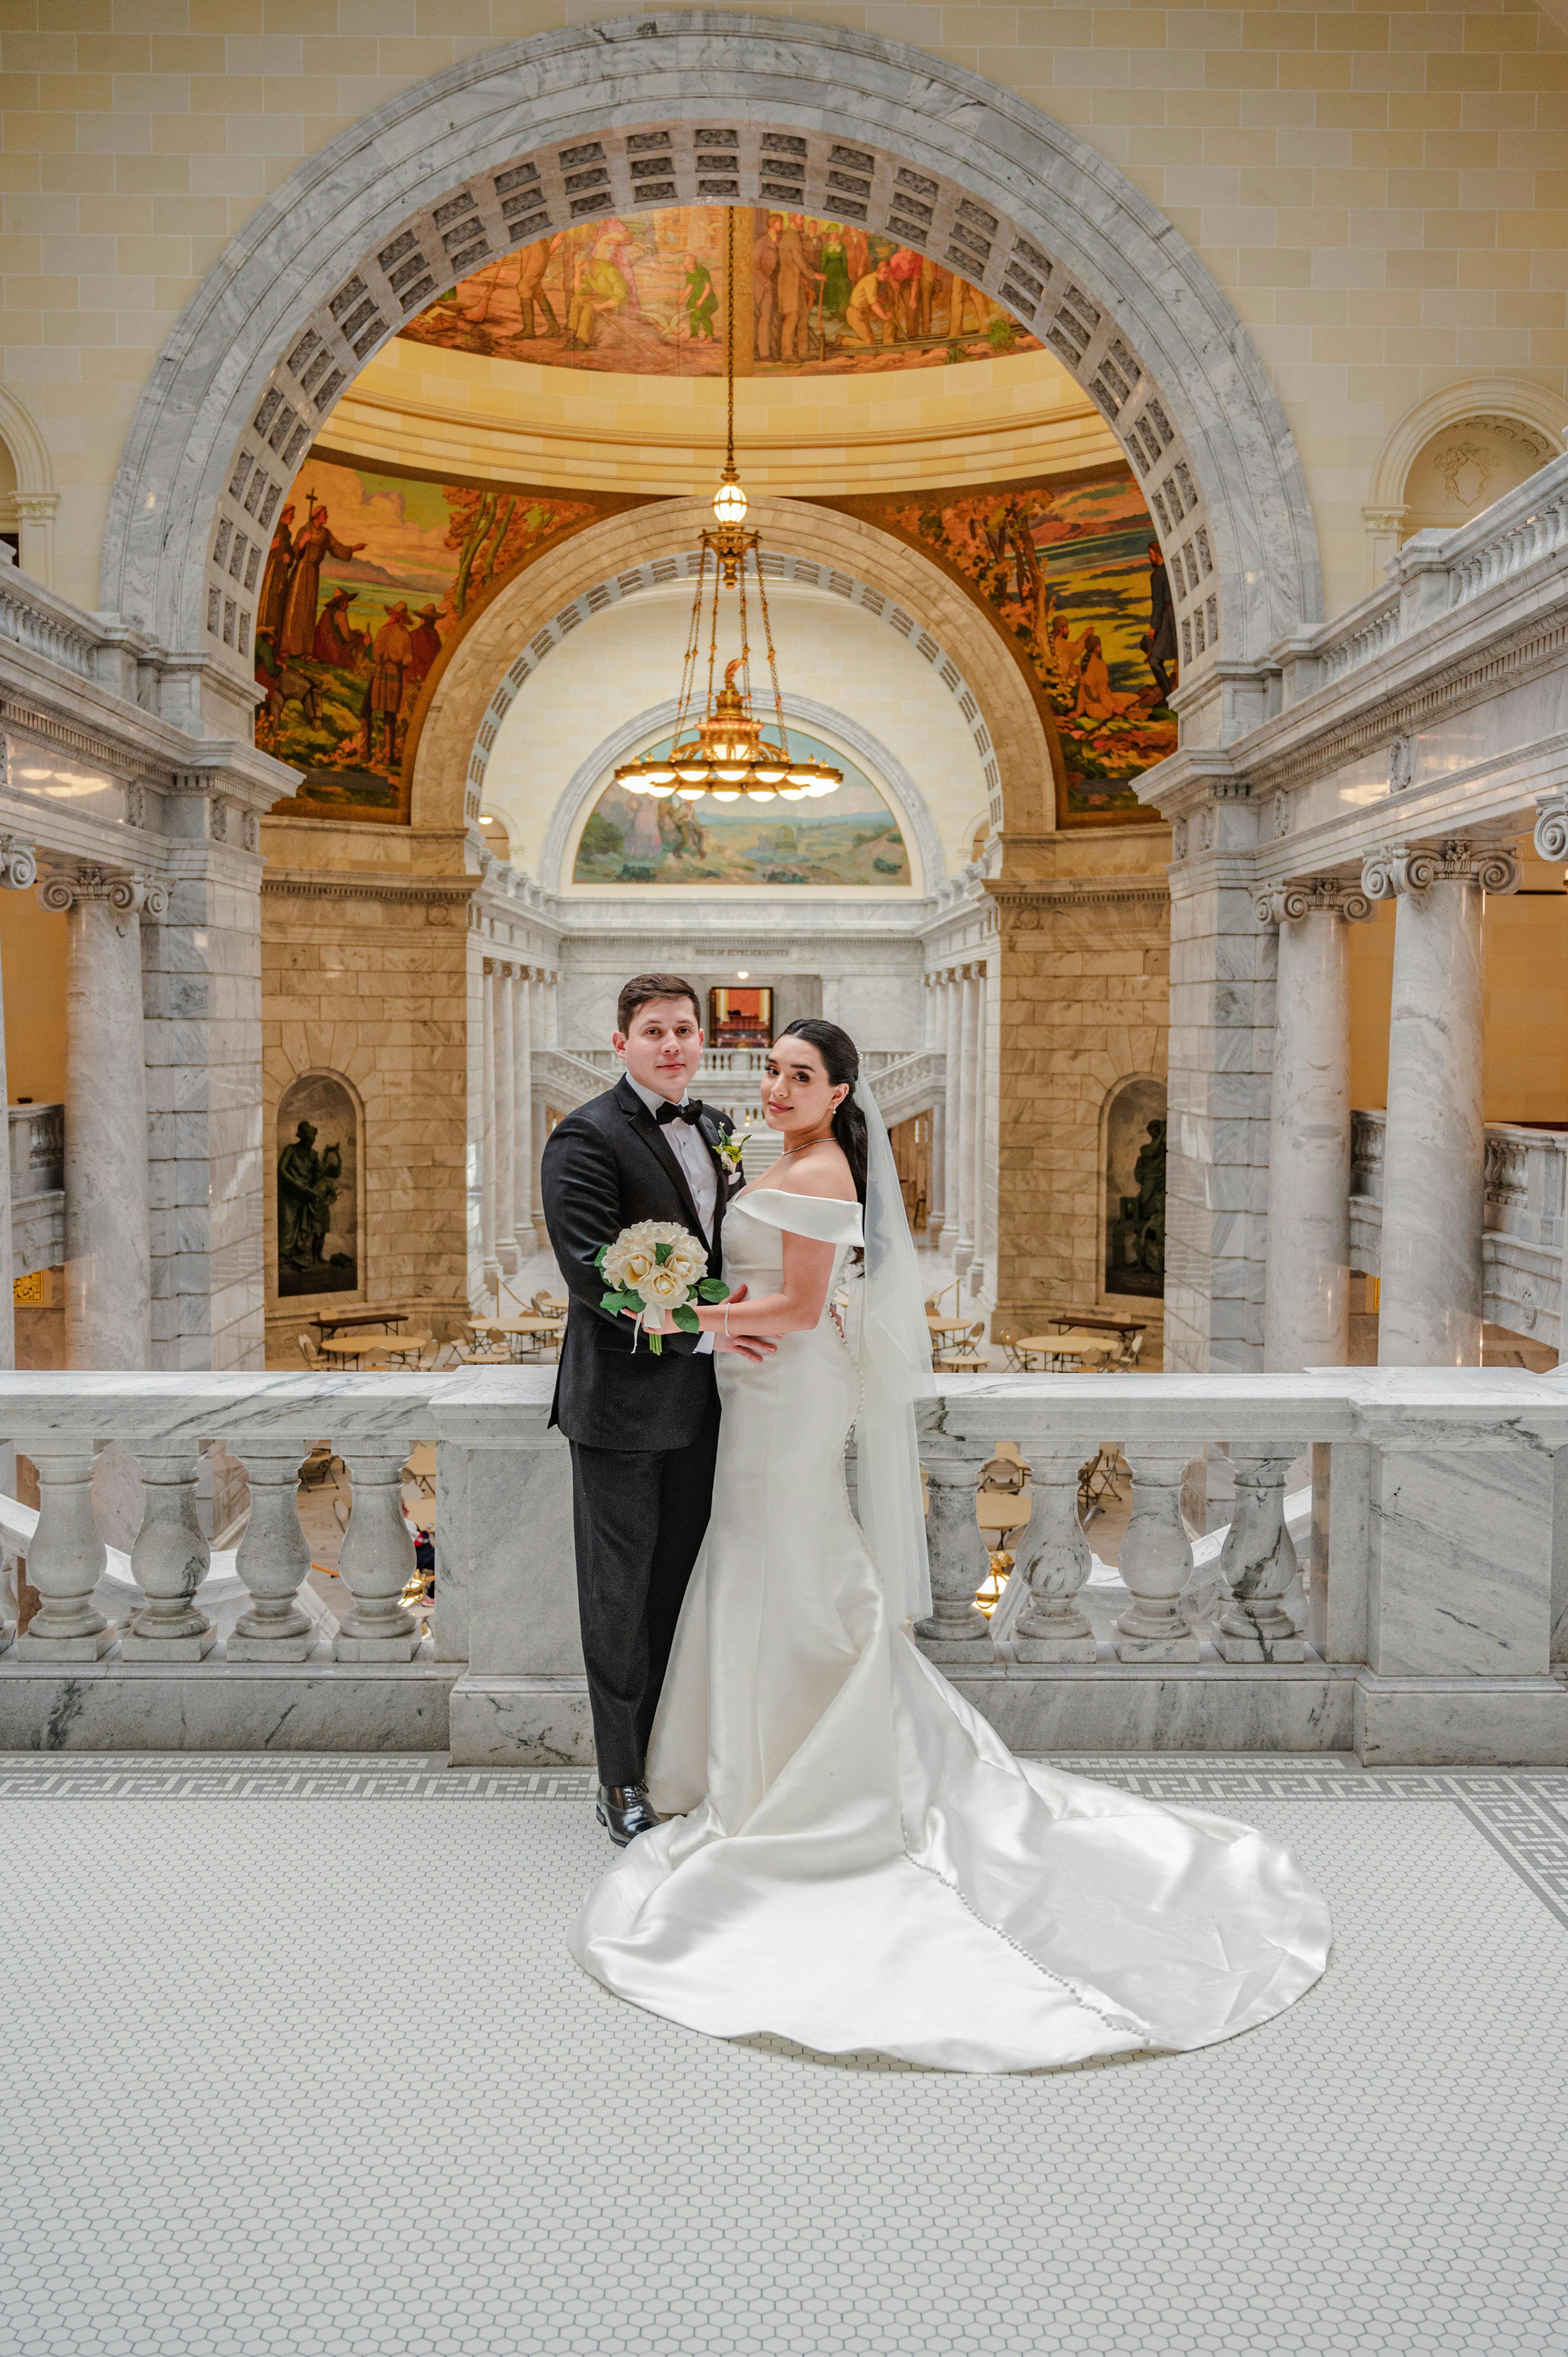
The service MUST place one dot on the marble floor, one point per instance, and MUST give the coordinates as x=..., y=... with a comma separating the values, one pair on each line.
x=297, y=2066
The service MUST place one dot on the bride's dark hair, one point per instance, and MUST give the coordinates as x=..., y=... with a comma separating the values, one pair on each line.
x=841, y=1060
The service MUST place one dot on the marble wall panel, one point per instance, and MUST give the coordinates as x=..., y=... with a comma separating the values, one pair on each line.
x=1460, y=1562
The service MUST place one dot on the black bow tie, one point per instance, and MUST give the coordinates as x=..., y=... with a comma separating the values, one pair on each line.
x=667, y=1112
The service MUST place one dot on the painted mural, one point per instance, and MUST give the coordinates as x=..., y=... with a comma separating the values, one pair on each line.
x=1072, y=573
x=369, y=576
x=646, y=297
x=849, y=837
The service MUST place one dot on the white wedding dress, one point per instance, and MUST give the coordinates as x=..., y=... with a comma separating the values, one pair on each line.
x=853, y=1860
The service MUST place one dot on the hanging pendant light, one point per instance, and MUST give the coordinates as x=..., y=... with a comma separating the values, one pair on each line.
x=727, y=753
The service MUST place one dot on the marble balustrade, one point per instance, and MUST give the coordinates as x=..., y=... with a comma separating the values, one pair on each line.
x=1425, y=1619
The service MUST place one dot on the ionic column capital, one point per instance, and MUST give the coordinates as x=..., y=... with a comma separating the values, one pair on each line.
x=1551, y=826
x=1312, y=895
x=1412, y=868
x=18, y=864
x=127, y=893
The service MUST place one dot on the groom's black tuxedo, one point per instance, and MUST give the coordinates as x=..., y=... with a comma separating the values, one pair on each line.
x=644, y=1430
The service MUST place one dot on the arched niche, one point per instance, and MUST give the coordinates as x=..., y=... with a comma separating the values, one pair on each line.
x=555, y=594
x=686, y=107
x=1489, y=433
x=27, y=495
x=317, y=1236
x=1133, y=1189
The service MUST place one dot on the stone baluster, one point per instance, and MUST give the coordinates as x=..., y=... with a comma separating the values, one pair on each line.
x=1433, y=1150
x=505, y=1119
x=1258, y=1565
x=1156, y=1563
x=958, y=1631
x=66, y=1560
x=1055, y=1561
x=170, y=1560
x=108, y=1244
x=522, y=1112
x=274, y=1560
x=375, y=1564
x=487, y=1129
x=1306, y=1321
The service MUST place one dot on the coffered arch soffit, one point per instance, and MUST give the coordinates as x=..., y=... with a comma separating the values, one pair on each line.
x=616, y=558
x=688, y=107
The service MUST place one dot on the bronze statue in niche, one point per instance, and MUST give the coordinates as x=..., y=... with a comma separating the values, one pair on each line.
x=317, y=1189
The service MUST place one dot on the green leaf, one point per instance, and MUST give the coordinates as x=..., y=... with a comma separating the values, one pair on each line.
x=712, y=1288
x=686, y=1318
x=616, y=1302
x=661, y=1253
x=600, y=1255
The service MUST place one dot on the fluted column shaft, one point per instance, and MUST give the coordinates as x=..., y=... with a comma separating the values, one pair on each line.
x=505, y=1119
x=522, y=1112
x=1306, y=1319
x=108, y=1247
x=487, y=1130
x=1434, y=1148
x=980, y=1108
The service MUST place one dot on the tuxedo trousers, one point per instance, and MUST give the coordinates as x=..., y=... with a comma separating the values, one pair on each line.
x=640, y=1516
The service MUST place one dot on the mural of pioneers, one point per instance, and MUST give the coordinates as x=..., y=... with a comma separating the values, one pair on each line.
x=848, y=837
x=369, y=576
x=646, y=297
x=1071, y=573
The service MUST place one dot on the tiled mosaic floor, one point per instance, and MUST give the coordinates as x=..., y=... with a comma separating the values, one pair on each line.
x=318, y=2079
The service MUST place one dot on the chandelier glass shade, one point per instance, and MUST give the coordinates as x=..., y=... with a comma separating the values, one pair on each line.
x=721, y=747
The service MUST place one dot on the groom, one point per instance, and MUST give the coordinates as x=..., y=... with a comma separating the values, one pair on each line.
x=643, y=1430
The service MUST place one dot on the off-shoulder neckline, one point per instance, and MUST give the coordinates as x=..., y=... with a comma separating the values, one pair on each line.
x=795, y=1194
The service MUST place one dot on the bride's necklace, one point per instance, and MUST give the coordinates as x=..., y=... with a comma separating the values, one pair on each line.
x=801, y=1147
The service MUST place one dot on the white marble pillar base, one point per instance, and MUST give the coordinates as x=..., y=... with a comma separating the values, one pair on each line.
x=1260, y=1648
x=68, y=1649
x=271, y=1648
x=378, y=1649
x=1056, y=1649
x=168, y=1648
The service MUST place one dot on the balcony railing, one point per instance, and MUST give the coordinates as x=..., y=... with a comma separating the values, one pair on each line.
x=1523, y=1246
x=1420, y=1622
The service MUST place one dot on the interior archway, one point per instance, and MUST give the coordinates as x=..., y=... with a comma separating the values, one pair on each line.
x=647, y=111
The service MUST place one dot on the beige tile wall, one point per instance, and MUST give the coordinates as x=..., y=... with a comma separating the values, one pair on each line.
x=1383, y=192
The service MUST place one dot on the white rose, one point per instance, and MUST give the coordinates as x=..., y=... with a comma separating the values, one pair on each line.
x=635, y=1264
x=664, y=1288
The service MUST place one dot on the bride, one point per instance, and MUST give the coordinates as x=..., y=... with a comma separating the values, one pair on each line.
x=850, y=1857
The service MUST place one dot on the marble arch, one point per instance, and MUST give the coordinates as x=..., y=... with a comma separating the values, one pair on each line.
x=692, y=106
x=450, y=754
x=880, y=762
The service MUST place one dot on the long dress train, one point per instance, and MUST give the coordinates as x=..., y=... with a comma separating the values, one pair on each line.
x=853, y=1858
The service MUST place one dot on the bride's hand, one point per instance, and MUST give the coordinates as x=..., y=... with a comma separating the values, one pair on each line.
x=756, y=1347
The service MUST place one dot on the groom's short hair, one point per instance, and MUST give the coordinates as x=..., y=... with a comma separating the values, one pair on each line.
x=643, y=987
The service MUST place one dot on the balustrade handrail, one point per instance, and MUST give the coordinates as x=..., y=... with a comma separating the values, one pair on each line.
x=44, y=623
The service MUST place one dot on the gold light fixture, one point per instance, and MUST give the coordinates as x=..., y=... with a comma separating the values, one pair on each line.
x=727, y=752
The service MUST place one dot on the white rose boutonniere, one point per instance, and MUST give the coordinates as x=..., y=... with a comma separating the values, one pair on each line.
x=652, y=1270
x=730, y=1145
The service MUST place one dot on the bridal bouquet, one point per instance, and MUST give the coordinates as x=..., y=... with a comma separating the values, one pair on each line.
x=652, y=1270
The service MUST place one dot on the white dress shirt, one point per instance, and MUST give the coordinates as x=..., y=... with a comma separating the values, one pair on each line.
x=685, y=1141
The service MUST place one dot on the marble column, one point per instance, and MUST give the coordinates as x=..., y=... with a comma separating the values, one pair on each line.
x=1433, y=1150
x=968, y=1057
x=522, y=1111
x=952, y=1124
x=1306, y=1318
x=18, y=872
x=545, y=995
x=108, y=1249
x=488, y=1131
x=505, y=1033
x=979, y=1123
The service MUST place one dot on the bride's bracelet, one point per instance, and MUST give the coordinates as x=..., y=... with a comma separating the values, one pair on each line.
x=726, y=1322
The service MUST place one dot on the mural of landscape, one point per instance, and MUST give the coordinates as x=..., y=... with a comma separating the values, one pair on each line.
x=849, y=837
x=1072, y=573
x=369, y=576
x=646, y=297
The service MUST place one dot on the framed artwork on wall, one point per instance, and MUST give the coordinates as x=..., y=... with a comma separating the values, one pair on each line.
x=740, y=1019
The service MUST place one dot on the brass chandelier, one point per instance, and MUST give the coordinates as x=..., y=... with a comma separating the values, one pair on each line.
x=725, y=751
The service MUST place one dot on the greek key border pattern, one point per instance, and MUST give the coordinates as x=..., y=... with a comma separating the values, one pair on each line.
x=1522, y=1813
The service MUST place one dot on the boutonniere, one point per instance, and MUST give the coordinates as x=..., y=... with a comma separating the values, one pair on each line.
x=731, y=1144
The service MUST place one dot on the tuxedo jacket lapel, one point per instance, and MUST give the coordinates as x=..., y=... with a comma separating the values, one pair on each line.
x=653, y=1138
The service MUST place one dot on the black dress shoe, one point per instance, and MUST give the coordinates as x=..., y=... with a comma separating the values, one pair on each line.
x=624, y=1811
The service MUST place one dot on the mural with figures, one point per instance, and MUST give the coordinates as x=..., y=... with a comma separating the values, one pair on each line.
x=848, y=837
x=1072, y=573
x=369, y=576
x=646, y=297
